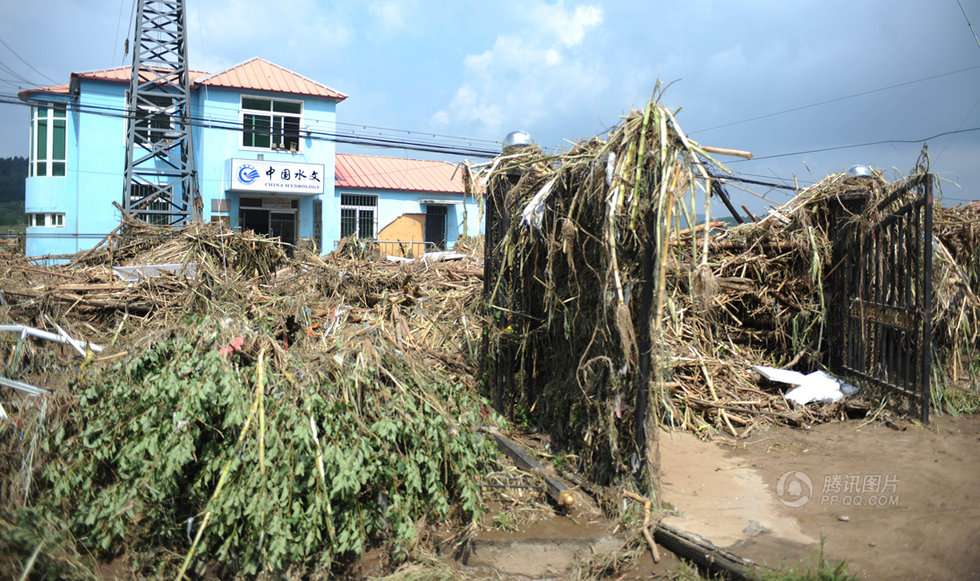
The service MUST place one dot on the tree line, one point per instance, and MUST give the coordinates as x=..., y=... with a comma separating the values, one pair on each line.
x=13, y=172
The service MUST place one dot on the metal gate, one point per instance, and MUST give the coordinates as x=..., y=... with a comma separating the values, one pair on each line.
x=881, y=296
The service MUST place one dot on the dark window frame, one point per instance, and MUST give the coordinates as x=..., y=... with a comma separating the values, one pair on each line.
x=271, y=124
x=49, y=140
x=358, y=216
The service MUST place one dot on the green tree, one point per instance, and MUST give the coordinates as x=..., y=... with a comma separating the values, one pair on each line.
x=13, y=172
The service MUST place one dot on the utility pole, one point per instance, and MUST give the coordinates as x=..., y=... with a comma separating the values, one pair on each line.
x=160, y=184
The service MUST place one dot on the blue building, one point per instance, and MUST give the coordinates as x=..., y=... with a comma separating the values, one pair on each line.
x=263, y=160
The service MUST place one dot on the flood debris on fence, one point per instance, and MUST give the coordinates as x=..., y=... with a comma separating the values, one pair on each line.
x=281, y=415
x=596, y=261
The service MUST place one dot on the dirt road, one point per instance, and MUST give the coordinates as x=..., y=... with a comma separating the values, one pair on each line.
x=896, y=504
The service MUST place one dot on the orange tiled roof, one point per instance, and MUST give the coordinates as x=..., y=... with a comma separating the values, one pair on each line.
x=261, y=75
x=117, y=74
x=122, y=74
x=49, y=90
x=256, y=74
x=390, y=173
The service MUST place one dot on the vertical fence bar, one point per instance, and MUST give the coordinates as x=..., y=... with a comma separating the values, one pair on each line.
x=926, y=299
x=644, y=349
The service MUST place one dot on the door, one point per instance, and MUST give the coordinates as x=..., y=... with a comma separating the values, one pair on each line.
x=435, y=226
x=283, y=225
x=254, y=219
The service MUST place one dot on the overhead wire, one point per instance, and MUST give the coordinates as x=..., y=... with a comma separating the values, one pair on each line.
x=26, y=63
x=968, y=23
x=13, y=82
x=977, y=101
x=6, y=68
x=353, y=125
x=378, y=141
x=115, y=38
x=962, y=123
x=382, y=141
x=856, y=145
x=836, y=99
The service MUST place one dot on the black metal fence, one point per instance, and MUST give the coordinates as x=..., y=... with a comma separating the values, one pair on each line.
x=881, y=295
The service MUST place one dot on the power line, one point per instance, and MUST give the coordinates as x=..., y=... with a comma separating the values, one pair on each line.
x=27, y=63
x=732, y=178
x=775, y=177
x=115, y=38
x=4, y=67
x=856, y=145
x=336, y=137
x=968, y=23
x=235, y=112
x=837, y=99
x=960, y=126
x=15, y=82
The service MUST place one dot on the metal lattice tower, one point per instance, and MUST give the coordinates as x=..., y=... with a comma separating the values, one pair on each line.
x=160, y=182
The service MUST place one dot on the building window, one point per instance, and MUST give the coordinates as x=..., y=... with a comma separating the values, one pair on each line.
x=153, y=119
x=358, y=215
x=158, y=219
x=140, y=192
x=271, y=123
x=46, y=220
x=48, y=134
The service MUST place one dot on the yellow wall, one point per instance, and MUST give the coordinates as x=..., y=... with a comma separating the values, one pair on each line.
x=405, y=228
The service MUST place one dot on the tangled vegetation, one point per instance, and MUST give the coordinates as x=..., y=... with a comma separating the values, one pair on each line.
x=610, y=298
x=266, y=416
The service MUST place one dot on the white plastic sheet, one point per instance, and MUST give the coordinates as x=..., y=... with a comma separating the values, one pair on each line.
x=814, y=387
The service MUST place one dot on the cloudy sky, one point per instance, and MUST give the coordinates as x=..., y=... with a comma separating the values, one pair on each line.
x=802, y=84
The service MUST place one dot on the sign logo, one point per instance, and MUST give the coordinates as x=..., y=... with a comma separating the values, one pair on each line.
x=794, y=489
x=247, y=174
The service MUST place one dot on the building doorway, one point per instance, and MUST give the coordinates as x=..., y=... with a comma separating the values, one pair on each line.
x=273, y=217
x=283, y=225
x=435, y=225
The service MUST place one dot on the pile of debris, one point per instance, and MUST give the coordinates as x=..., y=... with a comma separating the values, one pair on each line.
x=215, y=405
x=956, y=307
x=230, y=407
x=599, y=248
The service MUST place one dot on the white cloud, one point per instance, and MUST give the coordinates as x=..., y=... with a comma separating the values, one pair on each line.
x=540, y=67
x=572, y=28
x=390, y=14
x=282, y=32
x=467, y=107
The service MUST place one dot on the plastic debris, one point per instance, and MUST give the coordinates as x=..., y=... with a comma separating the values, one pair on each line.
x=21, y=386
x=815, y=387
x=143, y=271
x=533, y=214
x=25, y=331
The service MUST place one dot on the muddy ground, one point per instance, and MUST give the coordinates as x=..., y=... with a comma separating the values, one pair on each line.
x=896, y=504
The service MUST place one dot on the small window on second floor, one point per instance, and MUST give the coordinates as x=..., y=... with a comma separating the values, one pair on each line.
x=271, y=123
x=153, y=119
